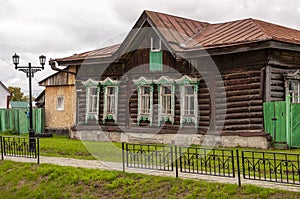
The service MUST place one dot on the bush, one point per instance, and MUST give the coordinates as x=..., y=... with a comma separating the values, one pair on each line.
x=10, y=132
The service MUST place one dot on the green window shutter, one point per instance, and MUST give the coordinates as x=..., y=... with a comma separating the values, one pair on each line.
x=156, y=61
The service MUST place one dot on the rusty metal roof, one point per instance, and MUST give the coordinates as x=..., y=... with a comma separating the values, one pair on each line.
x=98, y=53
x=187, y=34
x=206, y=35
x=243, y=31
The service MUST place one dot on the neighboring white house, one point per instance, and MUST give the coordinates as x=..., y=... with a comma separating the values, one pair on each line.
x=4, y=96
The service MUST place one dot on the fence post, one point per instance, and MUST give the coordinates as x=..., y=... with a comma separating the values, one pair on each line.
x=38, y=150
x=2, y=156
x=176, y=162
x=238, y=167
x=123, y=157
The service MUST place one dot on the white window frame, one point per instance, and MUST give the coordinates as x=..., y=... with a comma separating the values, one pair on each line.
x=91, y=84
x=110, y=100
x=166, y=100
x=295, y=93
x=60, y=103
x=163, y=82
x=109, y=83
x=187, y=101
x=141, y=83
x=292, y=86
x=93, y=100
x=184, y=82
x=153, y=49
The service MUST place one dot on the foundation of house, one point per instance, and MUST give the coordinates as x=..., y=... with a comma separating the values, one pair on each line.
x=178, y=139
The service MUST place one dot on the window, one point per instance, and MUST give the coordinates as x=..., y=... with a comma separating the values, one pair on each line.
x=92, y=88
x=155, y=44
x=145, y=99
x=60, y=103
x=188, y=100
x=294, y=88
x=93, y=100
x=110, y=100
x=110, y=108
x=292, y=85
x=166, y=100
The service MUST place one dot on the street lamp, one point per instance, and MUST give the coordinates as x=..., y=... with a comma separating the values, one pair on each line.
x=30, y=70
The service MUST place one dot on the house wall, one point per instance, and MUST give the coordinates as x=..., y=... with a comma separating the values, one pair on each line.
x=60, y=119
x=3, y=97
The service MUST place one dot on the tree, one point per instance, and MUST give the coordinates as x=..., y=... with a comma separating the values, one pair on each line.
x=17, y=95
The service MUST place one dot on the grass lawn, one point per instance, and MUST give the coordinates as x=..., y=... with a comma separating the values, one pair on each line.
x=65, y=147
x=25, y=180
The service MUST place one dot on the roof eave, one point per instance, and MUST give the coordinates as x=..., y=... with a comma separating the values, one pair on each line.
x=236, y=48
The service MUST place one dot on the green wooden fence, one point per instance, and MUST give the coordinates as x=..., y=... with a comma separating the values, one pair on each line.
x=282, y=122
x=17, y=120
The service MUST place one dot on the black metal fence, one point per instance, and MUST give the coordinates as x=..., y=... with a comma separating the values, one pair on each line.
x=155, y=157
x=271, y=166
x=20, y=147
x=251, y=165
x=207, y=161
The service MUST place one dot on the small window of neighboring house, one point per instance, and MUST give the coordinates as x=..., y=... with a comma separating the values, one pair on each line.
x=294, y=88
x=188, y=100
x=60, y=103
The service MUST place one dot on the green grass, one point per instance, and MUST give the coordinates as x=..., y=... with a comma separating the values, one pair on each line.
x=64, y=147
x=25, y=180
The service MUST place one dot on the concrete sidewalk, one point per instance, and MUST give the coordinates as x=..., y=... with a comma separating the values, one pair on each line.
x=96, y=164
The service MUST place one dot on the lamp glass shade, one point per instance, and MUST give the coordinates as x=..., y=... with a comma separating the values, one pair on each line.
x=42, y=60
x=15, y=59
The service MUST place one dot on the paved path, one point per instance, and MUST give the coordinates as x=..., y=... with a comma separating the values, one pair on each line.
x=96, y=164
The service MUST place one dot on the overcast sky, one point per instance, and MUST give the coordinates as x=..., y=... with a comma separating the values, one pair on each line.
x=59, y=28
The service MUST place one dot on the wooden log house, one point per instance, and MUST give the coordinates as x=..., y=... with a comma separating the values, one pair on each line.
x=177, y=78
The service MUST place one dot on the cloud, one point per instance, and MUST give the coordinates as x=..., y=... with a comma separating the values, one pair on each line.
x=60, y=28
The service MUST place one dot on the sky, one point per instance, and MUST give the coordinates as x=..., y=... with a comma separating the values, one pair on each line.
x=60, y=28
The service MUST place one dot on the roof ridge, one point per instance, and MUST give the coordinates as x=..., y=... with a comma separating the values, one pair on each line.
x=254, y=21
x=171, y=15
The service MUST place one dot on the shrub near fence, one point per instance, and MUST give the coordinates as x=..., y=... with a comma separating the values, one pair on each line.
x=17, y=120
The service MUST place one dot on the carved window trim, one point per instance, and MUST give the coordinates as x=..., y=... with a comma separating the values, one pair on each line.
x=109, y=83
x=183, y=83
x=142, y=83
x=165, y=81
x=91, y=84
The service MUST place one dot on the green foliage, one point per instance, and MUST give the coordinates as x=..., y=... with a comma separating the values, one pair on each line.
x=10, y=132
x=17, y=95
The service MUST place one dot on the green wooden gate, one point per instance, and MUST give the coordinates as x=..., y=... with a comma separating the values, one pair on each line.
x=282, y=122
x=295, y=125
x=275, y=120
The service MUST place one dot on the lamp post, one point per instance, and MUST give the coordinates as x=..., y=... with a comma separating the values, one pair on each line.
x=30, y=70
